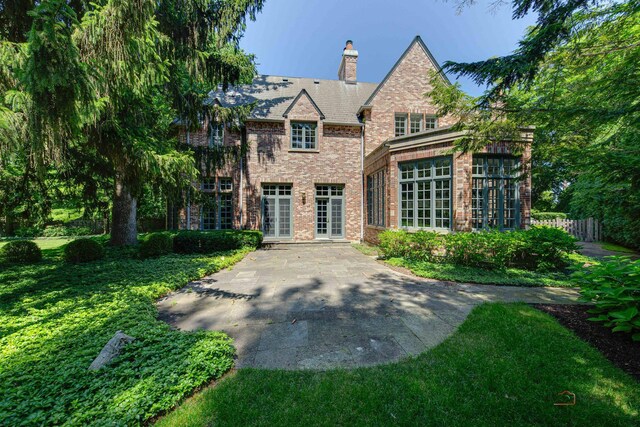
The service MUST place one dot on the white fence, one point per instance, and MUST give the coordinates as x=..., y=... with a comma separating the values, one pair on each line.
x=586, y=230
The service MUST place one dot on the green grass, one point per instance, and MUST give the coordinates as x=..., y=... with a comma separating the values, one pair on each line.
x=616, y=248
x=504, y=366
x=366, y=249
x=463, y=274
x=507, y=276
x=45, y=244
x=55, y=319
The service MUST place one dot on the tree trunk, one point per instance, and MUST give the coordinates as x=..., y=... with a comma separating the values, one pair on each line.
x=123, y=224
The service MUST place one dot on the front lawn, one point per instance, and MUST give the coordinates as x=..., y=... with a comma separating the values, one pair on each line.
x=44, y=244
x=55, y=318
x=504, y=366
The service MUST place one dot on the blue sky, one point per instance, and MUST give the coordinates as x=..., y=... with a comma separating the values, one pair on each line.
x=305, y=38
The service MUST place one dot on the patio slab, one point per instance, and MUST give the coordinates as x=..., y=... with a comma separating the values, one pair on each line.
x=328, y=306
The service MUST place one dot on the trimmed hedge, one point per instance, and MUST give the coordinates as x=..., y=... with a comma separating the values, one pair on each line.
x=21, y=252
x=156, y=244
x=83, y=250
x=63, y=230
x=541, y=248
x=548, y=216
x=204, y=242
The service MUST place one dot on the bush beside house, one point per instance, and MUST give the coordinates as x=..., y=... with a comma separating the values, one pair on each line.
x=540, y=248
x=203, y=242
x=156, y=244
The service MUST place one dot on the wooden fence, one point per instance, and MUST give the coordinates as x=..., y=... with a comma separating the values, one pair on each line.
x=586, y=230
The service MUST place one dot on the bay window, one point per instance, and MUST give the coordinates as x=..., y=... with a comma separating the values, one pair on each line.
x=494, y=193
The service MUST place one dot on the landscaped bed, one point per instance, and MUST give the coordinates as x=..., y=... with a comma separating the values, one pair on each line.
x=615, y=346
x=504, y=366
x=55, y=317
x=541, y=256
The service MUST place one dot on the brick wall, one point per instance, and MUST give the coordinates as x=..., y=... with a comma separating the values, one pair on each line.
x=403, y=92
x=461, y=182
x=337, y=161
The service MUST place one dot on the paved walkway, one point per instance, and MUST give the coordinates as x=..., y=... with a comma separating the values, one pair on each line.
x=595, y=250
x=324, y=306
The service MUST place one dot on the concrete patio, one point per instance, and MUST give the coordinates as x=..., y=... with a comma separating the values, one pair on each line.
x=324, y=306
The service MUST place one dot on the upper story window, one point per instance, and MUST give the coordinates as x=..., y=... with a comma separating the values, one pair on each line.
x=208, y=184
x=413, y=123
x=430, y=122
x=401, y=124
x=217, y=134
x=416, y=123
x=304, y=135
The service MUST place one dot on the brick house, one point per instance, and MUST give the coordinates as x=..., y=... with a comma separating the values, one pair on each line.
x=343, y=160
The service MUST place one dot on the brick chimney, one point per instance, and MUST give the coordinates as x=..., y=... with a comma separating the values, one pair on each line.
x=347, y=70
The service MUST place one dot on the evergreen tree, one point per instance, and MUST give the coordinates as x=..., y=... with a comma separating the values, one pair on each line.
x=104, y=81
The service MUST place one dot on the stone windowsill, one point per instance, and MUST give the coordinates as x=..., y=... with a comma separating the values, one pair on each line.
x=302, y=150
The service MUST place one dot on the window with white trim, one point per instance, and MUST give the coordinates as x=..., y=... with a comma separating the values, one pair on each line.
x=225, y=203
x=376, y=198
x=304, y=135
x=217, y=204
x=425, y=193
x=494, y=192
x=416, y=123
x=208, y=184
x=216, y=137
x=430, y=122
x=401, y=124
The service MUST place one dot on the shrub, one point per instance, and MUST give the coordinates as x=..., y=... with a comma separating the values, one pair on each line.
x=156, y=244
x=546, y=216
x=614, y=287
x=545, y=248
x=63, y=230
x=21, y=251
x=83, y=250
x=28, y=232
x=204, y=242
x=542, y=248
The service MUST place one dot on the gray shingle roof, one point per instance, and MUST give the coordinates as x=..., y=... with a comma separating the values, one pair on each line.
x=339, y=101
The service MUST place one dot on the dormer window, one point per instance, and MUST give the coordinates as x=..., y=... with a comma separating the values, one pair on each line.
x=217, y=134
x=303, y=135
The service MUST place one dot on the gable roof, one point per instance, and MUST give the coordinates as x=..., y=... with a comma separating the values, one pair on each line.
x=303, y=92
x=337, y=100
x=418, y=40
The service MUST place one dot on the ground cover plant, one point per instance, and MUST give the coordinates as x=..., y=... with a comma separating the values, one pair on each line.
x=55, y=317
x=613, y=286
x=504, y=366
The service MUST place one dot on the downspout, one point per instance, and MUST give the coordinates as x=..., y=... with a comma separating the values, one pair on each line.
x=188, y=195
x=362, y=189
x=241, y=185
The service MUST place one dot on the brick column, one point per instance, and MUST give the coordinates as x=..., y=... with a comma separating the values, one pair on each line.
x=462, y=191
